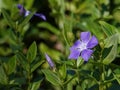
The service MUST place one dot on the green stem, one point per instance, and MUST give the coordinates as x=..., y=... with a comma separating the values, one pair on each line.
x=29, y=76
x=102, y=78
x=70, y=80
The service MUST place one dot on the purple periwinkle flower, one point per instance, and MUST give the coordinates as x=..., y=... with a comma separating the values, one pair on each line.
x=83, y=46
x=50, y=62
x=25, y=12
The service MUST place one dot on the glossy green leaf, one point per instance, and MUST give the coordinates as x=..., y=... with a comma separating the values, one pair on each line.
x=3, y=76
x=80, y=61
x=112, y=54
x=62, y=71
x=117, y=74
x=8, y=19
x=49, y=27
x=11, y=65
x=52, y=77
x=107, y=28
x=32, y=51
x=117, y=77
x=112, y=40
x=36, y=85
x=36, y=65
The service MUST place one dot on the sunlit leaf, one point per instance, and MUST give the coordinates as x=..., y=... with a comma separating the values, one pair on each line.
x=108, y=29
x=112, y=54
x=80, y=61
x=62, y=71
x=36, y=85
x=117, y=77
x=52, y=77
x=113, y=39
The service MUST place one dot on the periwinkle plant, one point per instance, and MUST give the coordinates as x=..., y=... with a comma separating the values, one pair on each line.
x=25, y=12
x=25, y=68
x=83, y=46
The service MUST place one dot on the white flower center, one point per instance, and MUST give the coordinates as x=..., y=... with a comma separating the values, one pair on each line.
x=82, y=46
x=27, y=13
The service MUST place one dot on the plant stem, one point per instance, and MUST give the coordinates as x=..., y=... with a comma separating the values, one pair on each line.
x=29, y=76
x=102, y=78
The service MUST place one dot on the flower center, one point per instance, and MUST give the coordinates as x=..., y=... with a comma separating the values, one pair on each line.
x=27, y=13
x=82, y=46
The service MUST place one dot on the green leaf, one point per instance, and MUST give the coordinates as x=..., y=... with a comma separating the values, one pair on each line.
x=108, y=29
x=8, y=19
x=11, y=65
x=29, y=4
x=112, y=40
x=52, y=77
x=117, y=77
x=62, y=71
x=36, y=65
x=32, y=51
x=44, y=48
x=112, y=54
x=92, y=26
x=2, y=5
x=49, y=27
x=3, y=77
x=25, y=21
x=80, y=61
x=22, y=59
x=36, y=85
x=116, y=74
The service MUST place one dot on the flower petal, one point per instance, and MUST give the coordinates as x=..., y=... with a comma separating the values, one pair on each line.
x=74, y=53
x=40, y=15
x=85, y=36
x=86, y=54
x=49, y=61
x=92, y=42
x=77, y=44
x=19, y=6
x=22, y=9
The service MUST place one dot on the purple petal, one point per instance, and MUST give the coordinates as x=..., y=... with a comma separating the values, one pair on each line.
x=92, y=42
x=85, y=36
x=86, y=54
x=74, y=53
x=19, y=6
x=77, y=44
x=40, y=15
x=22, y=9
x=49, y=61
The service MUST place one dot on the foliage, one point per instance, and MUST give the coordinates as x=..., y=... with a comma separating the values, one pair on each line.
x=25, y=40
